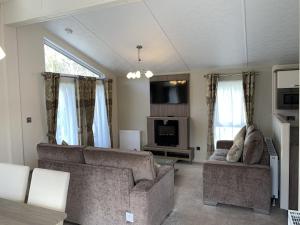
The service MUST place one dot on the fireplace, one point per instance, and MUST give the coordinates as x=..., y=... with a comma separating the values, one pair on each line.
x=166, y=132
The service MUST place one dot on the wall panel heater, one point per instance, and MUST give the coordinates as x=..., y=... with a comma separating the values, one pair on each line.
x=274, y=167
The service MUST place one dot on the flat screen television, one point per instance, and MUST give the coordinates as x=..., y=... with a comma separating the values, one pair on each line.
x=169, y=92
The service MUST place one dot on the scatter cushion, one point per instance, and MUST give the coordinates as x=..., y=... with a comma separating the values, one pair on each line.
x=64, y=143
x=250, y=129
x=70, y=153
x=253, y=147
x=156, y=167
x=236, y=150
x=141, y=162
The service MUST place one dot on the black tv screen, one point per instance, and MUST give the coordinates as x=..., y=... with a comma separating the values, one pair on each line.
x=169, y=92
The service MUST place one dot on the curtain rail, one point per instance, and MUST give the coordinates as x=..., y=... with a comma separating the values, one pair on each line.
x=230, y=74
x=76, y=76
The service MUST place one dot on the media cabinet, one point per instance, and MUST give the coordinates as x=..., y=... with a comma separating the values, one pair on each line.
x=168, y=125
x=171, y=153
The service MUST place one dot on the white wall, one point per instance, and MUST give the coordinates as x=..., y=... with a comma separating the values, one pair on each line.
x=5, y=153
x=134, y=106
x=22, y=92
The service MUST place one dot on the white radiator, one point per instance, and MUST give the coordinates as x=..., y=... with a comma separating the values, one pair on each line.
x=274, y=166
x=294, y=217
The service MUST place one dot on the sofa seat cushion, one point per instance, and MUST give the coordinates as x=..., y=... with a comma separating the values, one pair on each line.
x=253, y=147
x=70, y=153
x=141, y=163
x=219, y=154
x=236, y=149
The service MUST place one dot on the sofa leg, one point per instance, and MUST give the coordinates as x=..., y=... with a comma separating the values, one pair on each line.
x=262, y=211
x=211, y=203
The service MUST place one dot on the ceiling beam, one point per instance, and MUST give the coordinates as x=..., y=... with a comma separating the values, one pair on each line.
x=23, y=12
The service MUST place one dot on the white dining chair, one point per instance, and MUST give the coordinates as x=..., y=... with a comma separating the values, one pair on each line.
x=13, y=181
x=49, y=189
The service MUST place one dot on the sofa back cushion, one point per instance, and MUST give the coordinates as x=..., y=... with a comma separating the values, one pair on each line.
x=236, y=150
x=253, y=147
x=70, y=153
x=141, y=163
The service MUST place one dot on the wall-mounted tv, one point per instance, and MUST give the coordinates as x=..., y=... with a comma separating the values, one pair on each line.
x=169, y=92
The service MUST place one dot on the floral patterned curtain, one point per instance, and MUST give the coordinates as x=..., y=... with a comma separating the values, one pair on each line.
x=212, y=83
x=51, y=93
x=108, y=85
x=249, y=87
x=85, y=94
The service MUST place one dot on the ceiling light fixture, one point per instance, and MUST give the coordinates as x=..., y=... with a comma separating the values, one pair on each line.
x=2, y=53
x=141, y=72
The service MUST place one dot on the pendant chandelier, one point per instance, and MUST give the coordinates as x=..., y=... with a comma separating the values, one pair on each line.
x=141, y=72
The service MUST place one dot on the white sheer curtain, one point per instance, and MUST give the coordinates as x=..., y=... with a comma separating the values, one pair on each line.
x=67, y=125
x=229, y=110
x=100, y=125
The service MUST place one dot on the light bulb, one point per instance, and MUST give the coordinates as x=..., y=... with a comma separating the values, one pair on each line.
x=133, y=75
x=2, y=53
x=129, y=76
x=149, y=74
x=138, y=74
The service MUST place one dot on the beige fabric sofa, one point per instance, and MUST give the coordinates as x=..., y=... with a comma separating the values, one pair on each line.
x=237, y=183
x=107, y=183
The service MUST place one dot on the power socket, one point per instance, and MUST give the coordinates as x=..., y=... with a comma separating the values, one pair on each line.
x=198, y=148
x=129, y=217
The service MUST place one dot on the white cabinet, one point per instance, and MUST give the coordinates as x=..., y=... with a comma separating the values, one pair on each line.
x=288, y=79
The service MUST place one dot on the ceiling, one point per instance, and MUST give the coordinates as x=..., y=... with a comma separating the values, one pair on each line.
x=187, y=35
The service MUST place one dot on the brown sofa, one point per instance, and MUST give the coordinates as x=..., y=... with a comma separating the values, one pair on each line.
x=237, y=183
x=107, y=183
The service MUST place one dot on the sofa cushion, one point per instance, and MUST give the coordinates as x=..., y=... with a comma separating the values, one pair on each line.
x=236, y=150
x=250, y=129
x=253, y=147
x=141, y=163
x=70, y=153
x=219, y=154
x=265, y=158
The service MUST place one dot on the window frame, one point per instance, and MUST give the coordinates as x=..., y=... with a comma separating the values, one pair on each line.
x=77, y=60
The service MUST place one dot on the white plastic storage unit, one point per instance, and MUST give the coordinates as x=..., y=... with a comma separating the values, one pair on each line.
x=130, y=139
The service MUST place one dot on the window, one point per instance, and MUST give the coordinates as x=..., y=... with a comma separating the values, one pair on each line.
x=67, y=125
x=100, y=125
x=58, y=60
x=229, y=110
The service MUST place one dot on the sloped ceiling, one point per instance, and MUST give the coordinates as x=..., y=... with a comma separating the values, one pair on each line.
x=186, y=35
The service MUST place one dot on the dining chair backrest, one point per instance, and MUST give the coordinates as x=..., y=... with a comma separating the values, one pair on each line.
x=49, y=189
x=13, y=181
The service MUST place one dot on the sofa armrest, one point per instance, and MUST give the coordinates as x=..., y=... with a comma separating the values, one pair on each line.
x=237, y=184
x=152, y=201
x=224, y=144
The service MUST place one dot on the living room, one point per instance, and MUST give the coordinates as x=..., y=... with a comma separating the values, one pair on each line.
x=181, y=41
